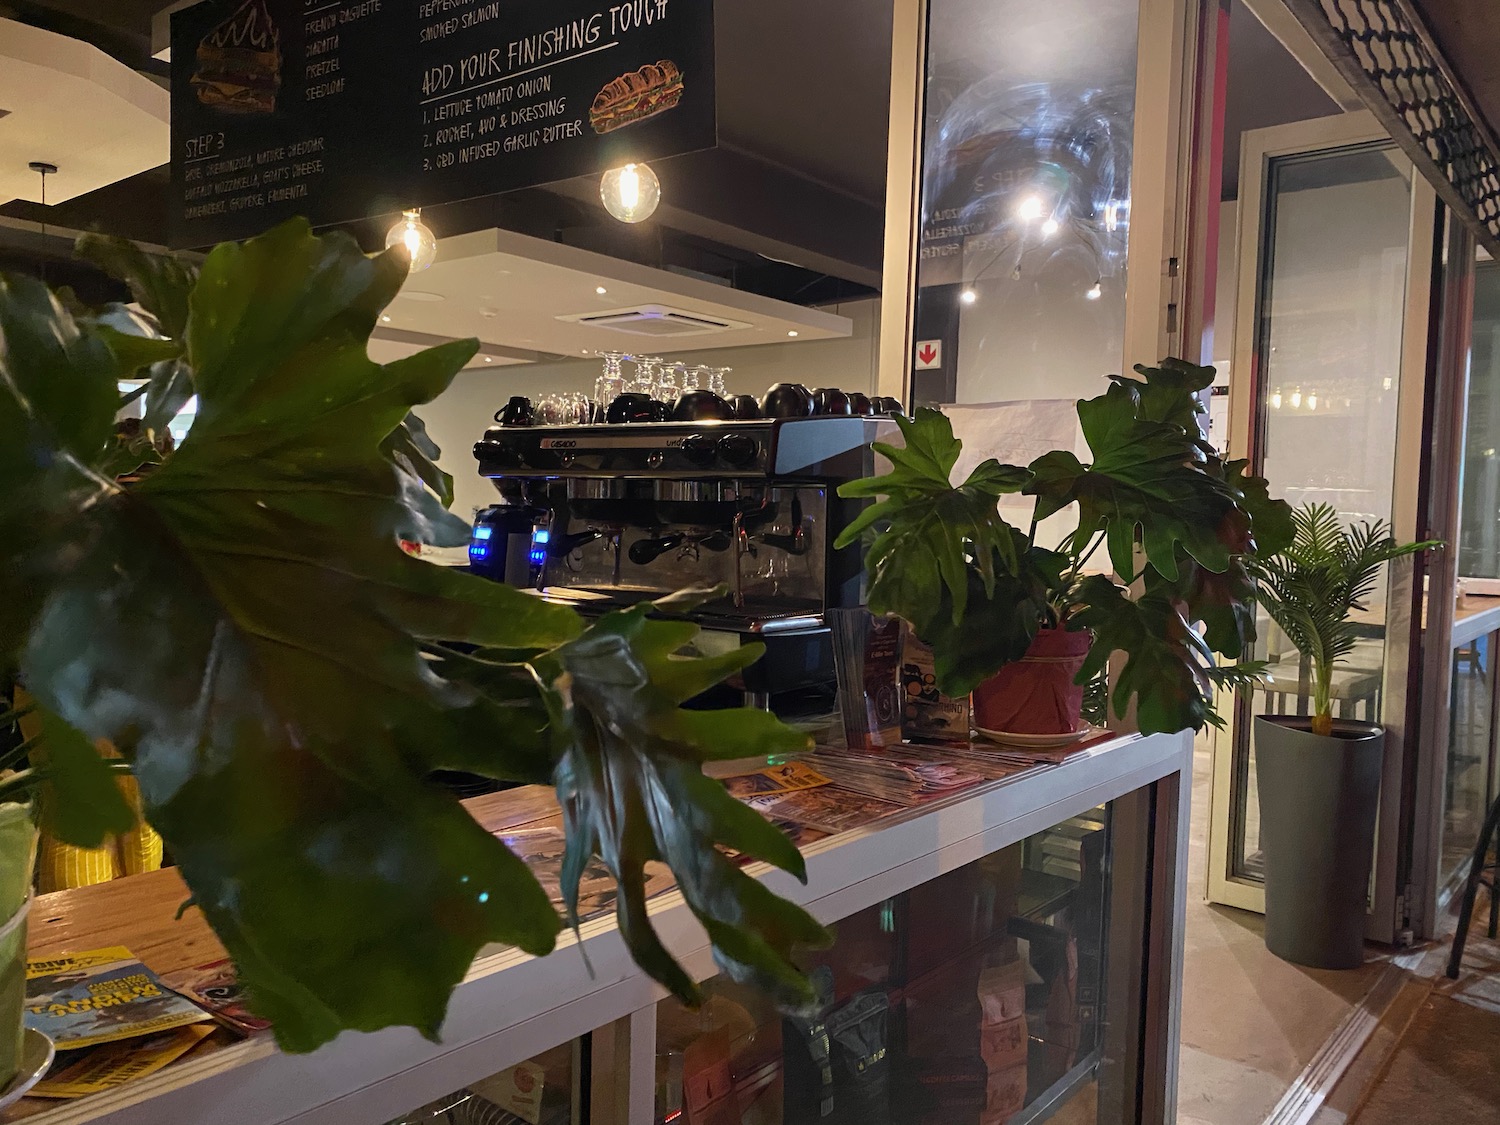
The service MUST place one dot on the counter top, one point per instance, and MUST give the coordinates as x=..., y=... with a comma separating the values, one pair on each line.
x=1474, y=617
x=512, y=1006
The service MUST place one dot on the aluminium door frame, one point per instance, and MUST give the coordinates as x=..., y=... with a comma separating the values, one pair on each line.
x=1259, y=150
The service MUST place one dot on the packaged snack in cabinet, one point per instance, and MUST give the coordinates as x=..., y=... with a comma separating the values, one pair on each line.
x=1004, y=1095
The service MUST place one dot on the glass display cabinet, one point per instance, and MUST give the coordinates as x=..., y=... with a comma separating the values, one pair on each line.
x=976, y=997
x=1011, y=953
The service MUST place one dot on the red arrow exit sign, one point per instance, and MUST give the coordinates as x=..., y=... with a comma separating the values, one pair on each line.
x=929, y=355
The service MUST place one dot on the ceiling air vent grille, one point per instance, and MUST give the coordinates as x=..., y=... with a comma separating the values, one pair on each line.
x=657, y=321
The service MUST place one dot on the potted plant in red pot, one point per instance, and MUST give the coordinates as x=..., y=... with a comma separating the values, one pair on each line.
x=1024, y=627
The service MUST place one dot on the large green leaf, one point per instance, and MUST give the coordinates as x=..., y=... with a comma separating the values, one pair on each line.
x=1165, y=659
x=246, y=629
x=58, y=390
x=82, y=803
x=1170, y=392
x=161, y=284
x=1146, y=486
x=928, y=530
x=1272, y=526
x=414, y=452
x=285, y=680
x=632, y=790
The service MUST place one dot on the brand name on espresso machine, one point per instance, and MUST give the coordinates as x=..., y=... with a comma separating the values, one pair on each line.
x=616, y=443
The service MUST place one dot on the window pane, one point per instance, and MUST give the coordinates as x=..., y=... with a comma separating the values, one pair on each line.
x=1479, y=551
x=1328, y=343
x=1025, y=200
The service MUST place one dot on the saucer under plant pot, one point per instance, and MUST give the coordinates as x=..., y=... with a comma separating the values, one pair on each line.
x=1318, y=777
x=1040, y=693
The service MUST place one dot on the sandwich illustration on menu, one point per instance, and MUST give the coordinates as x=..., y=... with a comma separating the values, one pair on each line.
x=239, y=62
x=637, y=96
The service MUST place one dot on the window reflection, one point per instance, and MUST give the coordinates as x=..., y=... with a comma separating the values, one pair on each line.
x=1479, y=549
x=1025, y=200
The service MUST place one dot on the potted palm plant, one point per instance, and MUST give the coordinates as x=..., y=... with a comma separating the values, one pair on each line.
x=1318, y=777
x=1024, y=627
x=284, y=681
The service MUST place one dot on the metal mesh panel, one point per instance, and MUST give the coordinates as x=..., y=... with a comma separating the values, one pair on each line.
x=1394, y=56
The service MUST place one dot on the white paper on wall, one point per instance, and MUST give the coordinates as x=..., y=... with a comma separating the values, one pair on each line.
x=1017, y=433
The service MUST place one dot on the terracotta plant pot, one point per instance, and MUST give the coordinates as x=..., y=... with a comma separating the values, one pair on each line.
x=1037, y=695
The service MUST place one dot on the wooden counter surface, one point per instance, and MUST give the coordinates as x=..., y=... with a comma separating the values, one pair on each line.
x=140, y=913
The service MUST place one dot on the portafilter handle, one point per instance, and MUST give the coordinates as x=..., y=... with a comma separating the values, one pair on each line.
x=564, y=546
x=644, y=552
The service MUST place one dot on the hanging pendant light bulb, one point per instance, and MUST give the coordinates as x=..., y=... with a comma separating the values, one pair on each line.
x=1096, y=290
x=631, y=194
x=418, y=241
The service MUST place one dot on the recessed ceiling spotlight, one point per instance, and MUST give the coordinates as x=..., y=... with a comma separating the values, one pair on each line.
x=968, y=296
x=489, y=359
x=794, y=335
x=602, y=291
x=385, y=320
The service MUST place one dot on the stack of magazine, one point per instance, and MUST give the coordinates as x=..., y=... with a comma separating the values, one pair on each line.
x=906, y=777
x=111, y=1018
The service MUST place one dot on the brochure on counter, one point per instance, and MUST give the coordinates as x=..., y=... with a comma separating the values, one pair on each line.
x=101, y=996
x=114, y=1064
x=216, y=987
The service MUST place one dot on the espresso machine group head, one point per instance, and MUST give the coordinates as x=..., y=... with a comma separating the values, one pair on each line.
x=622, y=514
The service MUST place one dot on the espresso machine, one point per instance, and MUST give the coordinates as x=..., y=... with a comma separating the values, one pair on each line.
x=608, y=516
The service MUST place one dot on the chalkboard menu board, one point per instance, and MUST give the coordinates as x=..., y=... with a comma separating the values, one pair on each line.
x=341, y=110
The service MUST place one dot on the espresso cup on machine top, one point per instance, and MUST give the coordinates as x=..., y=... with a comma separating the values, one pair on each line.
x=831, y=401
x=635, y=407
x=746, y=407
x=699, y=405
x=787, y=400
x=517, y=412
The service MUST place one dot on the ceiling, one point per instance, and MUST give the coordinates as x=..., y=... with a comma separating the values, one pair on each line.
x=516, y=294
x=44, y=78
x=1468, y=34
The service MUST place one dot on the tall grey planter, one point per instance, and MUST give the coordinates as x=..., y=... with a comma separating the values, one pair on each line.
x=1318, y=799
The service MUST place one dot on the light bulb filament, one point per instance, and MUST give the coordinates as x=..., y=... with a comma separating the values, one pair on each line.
x=630, y=188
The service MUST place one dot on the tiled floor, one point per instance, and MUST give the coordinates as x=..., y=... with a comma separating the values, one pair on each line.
x=1250, y=1021
x=1437, y=1056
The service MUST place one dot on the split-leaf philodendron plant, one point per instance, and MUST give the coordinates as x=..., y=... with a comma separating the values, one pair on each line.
x=283, y=679
x=1174, y=520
